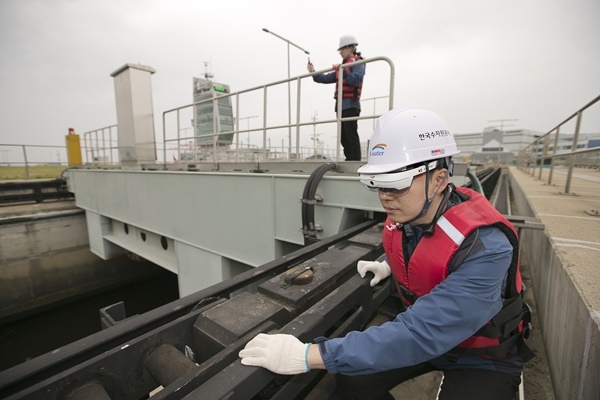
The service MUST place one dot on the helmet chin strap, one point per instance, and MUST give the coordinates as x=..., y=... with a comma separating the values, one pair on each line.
x=429, y=200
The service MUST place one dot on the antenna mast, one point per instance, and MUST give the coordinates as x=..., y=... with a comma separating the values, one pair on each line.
x=207, y=75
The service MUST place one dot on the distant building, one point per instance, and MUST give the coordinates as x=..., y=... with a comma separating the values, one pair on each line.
x=207, y=120
x=496, y=146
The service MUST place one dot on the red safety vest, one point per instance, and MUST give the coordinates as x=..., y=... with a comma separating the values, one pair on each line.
x=431, y=263
x=347, y=90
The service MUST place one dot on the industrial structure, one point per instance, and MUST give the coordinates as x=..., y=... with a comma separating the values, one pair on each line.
x=267, y=246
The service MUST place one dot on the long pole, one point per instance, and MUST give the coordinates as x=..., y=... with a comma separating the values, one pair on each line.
x=289, y=85
x=289, y=107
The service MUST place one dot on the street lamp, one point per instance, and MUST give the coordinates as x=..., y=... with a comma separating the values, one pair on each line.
x=248, y=126
x=289, y=90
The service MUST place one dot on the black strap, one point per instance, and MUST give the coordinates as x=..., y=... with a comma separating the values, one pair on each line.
x=507, y=320
x=503, y=349
x=407, y=297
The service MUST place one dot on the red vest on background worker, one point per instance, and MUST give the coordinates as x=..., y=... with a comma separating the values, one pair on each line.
x=347, y=90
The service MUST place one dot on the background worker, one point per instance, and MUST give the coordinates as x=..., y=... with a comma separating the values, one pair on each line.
x=351, y=89
x=455, y=261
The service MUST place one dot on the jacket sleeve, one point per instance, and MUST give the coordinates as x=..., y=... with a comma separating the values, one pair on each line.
x=325, y=78
x=437, y=322
x=355, y=76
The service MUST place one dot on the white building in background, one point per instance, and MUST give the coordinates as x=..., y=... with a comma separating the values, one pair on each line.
x=206, y=116
x=496, y=146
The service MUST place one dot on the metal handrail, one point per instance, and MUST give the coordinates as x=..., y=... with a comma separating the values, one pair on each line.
x=298, y=124
x=531, y=156
x=96, y=136
x=26, y=162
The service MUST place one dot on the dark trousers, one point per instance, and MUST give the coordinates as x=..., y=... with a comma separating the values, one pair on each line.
x=350, y=139
x=463, y=384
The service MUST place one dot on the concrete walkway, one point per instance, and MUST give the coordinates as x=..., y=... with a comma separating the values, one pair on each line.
x=572, y=222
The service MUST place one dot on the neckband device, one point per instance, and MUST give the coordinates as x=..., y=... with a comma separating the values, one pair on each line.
x=428, y=230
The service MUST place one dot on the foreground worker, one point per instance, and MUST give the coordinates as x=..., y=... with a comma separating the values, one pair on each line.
x=456, y=264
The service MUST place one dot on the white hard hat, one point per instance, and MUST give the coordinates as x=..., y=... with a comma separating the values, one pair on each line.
x=347, y=40
x=407, y=136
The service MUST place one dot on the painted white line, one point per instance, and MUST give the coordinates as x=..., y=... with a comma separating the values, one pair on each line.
x=568, y=216
x=563, y=196
x=545, y=197
x=576, y=245
x=580, y=176
x=574, y=240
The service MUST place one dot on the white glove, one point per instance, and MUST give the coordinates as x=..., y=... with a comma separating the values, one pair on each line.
x=282, y=354
x=380, y=269
x=310, y=67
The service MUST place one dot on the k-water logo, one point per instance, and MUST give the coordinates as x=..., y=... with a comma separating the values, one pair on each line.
x=378, y=149
x=437, y=152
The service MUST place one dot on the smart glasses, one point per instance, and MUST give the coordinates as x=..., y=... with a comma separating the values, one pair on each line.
x=396, y=183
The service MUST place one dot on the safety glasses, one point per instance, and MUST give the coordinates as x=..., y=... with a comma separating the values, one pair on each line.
x=397, y=183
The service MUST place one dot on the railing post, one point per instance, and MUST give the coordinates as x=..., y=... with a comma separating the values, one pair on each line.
x=97, y=149
x=541, y=158
x=237, y=127
x=298, y=120
x=178, y=137
x=85, y=148
x=103, y=145
x=164, y=130
x=339, y=110
x=265, y=125
x=26, y=163
x=553, y=154
x=573, y=148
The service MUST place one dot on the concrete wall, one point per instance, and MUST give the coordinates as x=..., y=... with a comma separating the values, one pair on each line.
x=568, y=325
x=45, y=261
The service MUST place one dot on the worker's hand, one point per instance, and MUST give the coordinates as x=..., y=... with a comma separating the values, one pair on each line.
x=380, y=269
x=335, y=67
x=282, y=354
x=310, y=67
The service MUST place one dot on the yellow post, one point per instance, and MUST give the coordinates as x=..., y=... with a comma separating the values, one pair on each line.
x=73, y=148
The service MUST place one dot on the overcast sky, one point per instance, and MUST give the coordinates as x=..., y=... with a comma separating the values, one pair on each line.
x=471, y=61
